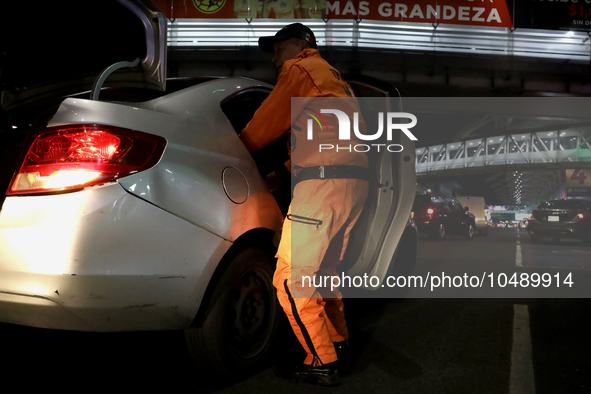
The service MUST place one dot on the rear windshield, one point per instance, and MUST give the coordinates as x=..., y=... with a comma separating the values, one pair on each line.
x=565, y=204
x=426, y=201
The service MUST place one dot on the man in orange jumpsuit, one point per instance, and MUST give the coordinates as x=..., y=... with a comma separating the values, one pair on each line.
x=327, y=200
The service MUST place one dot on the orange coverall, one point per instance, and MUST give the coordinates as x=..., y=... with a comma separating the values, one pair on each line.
x=316, y=315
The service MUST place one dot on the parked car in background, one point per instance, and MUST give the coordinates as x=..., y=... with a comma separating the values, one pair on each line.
x=556, y=219
x=477, y=207
x=128, y=201
x=438, y=215
x=523, y=224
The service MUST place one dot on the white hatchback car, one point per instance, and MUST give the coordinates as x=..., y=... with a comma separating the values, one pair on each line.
x=124, y=215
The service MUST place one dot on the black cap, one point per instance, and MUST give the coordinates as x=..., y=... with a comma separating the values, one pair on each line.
x=295, y=30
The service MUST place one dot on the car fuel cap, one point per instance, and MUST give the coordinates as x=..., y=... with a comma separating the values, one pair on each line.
x=235, y=185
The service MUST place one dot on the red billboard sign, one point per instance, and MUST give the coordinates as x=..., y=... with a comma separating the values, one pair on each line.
x=460, y=12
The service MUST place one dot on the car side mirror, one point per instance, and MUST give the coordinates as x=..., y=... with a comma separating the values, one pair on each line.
x=466, y=209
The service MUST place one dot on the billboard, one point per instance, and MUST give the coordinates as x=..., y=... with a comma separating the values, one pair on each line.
x=551, y=15
x=529, y=14
x=578, y=183
x=462, y=12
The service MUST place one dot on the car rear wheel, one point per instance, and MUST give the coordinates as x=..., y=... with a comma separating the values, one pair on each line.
x=470, y=231
x=440, y=234
x=242, y=318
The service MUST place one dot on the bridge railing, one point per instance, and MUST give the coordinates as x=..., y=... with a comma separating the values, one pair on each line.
x=522, y=148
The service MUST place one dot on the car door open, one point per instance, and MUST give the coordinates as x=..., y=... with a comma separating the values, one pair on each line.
x=385, y=221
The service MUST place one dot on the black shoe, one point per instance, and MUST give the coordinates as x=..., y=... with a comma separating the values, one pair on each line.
x=343, y=350
x=323, y=375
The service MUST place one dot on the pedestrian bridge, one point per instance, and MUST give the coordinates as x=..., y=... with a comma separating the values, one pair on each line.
x=539, y=148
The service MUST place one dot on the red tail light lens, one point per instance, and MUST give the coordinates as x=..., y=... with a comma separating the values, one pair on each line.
x=430, y=212
x=78, y=156
x=580, y=216
x=532, y=217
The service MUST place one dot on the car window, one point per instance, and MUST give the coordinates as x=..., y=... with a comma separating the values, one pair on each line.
x=457, y=206
x=439, y=203
x=241, y=106
x=421, y=201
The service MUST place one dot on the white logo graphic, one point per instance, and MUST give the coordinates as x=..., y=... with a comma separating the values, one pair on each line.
x=345, y=130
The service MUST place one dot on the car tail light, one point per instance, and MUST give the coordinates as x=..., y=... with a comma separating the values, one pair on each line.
x=430, y=212
x=77, y=156
x=579, y=216
x=532, y=217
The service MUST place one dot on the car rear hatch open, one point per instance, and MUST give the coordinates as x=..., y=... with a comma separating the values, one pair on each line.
x=61, y=47
x=52, y=50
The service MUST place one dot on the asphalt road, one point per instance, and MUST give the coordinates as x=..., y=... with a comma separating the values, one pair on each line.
x=405, y=345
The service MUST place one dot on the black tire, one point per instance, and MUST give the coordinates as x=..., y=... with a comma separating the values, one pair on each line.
x=440, y=233
x=242, y=318
x=470, y=231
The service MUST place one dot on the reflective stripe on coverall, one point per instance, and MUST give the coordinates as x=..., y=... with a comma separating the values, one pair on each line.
x=316, y=315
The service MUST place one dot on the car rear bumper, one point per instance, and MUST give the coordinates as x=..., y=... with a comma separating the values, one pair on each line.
x=101, y=259
x=566, y=230
x=481, y=224
x=426, y=226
